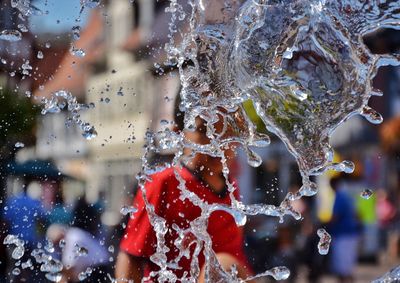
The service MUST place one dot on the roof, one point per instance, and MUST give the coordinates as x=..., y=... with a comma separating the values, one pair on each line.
x=73, y=71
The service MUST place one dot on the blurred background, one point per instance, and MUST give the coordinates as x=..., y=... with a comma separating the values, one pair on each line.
x=109, y=55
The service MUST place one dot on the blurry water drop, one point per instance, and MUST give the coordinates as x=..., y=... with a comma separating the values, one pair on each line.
x=11, y=35
x=18, y=252
x=371, y=115
x=164, y=122
x=125, y=210
x=107, y=100
x=324, y=241
x=348, y=166
x=51, y=266
x=111, y=249
x=76, y=32
x=280, y=272
x=120, y=92
x=81, y=251
x=78, y=52
x=39, y=55
x=54, y=277
x=16, y=271
x=22, y=28
x=19, y=144
x=85, y=274
x=253, y=159
x=90, y=3
x=366, y=194
x=61, y=244
x=90, y=133
x=47, y=44
x=27, y=264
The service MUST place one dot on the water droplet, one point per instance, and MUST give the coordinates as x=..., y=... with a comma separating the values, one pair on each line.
x=81, y=251
x=19, y=144
x=111, y=249
x=366, y=194
x=39, y=55
x=125, y=210
x=11, y=35
x=27, y=264
x=280, y=272
x=85, y=274
x=16, y=271
x=253, y=159
x=324, y=241
x=22, y=28
x=78, y=52
x=371, y=115
x=90, y=3
x=120, y=92
x=18, y=252
x=90, y=133
x=54, y=277
x=76, y=32
x=51, y=266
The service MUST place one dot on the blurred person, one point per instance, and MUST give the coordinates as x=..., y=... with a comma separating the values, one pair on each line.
x=24, y=217
x=386, y=213
x=203, y=176
x=60, y=213
x=86, y=216
x=83, y=257
x=345, y=229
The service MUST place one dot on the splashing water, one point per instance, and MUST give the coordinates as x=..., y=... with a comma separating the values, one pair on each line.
x=306, y=70
x=65, y=100
x=391, y=277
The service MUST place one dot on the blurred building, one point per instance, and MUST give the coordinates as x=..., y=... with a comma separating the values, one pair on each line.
x=121, y=42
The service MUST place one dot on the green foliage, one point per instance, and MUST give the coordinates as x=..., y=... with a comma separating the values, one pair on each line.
x=17, y=118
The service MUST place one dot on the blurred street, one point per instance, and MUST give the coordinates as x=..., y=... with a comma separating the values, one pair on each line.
x=363, y=273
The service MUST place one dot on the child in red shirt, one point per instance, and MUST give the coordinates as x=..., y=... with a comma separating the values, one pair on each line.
x=203, y=176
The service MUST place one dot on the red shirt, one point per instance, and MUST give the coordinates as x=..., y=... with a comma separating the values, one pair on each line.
x=162, y=192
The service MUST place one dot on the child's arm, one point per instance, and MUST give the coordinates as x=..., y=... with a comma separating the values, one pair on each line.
x=128, y=268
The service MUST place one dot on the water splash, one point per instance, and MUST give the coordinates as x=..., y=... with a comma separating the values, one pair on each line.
x=63, y=99
x=391, y=277
x=19, y=249
x=306, y=70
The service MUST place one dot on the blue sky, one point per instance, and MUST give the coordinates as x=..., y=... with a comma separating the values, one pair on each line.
x=60, y=18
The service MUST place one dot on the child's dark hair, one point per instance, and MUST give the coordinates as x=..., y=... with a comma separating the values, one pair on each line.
x=178, y=114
